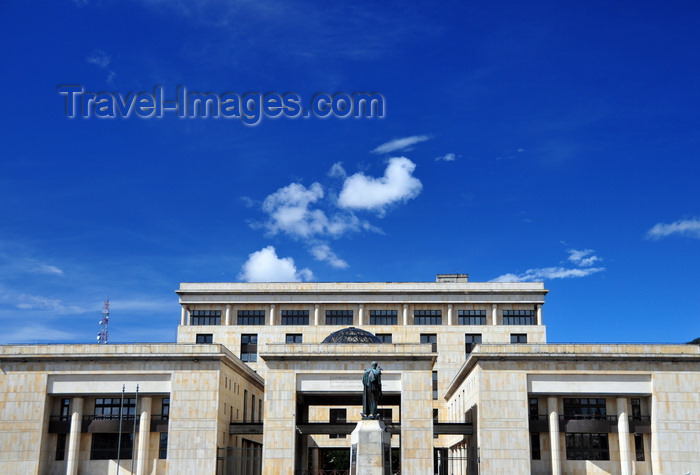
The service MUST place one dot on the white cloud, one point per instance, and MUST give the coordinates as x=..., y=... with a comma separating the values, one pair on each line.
x=448, y=157
x=265, y=266
x=536, y=275
x=398, y=184
x=683, y=227
x=36, y=302
x=583, y=258
x=400, y=144
x=290, y=212
x=99, y=58
x=48, y=269
x=324, y=253
x=337, y=171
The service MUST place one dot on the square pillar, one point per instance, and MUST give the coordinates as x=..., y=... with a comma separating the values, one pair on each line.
x=623, y=434
x=144, y=433
x=416, y=423
x=552, y=407
x=279, y=430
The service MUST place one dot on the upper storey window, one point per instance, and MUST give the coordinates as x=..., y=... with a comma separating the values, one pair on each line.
x=427, y=317
x=519, y=317
x=383, y=317
x=295, y=317
x=251, y=317
x=338, y=317
x=472, y=317
x=206, y=317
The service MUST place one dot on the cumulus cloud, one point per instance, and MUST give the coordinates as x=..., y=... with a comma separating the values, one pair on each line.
x=683, y=227
x=289, y=210
x=324, y=253
x=398, y=184
x=448, y=157
x=400, y=144
x=583, y=258
x=265, y=266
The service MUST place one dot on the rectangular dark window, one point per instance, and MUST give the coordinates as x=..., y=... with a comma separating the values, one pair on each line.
x=639, y=447
x=205, y=317
x=204, y=338
x=293, y=338
x=519, y=317
x=252, y=408
x=108, y=408
x=163, y=446
x=61, y=447
x=384, y=337
x=338, y=317
x=165, y=408
x=104, y=446
x=472, y=317
x=636, y=410
x=585, y=408
x=245, y=405
x=295, y=317
x=436, y=417
x=385, y=414
x=249, y=347
x=64, y=411
x=251, y=317
x=535, y=445
x=429, y=338
x=587, y=447
x=338, y=416
x=383, y=317
x=518, y=338
x=534, y=408
x=470, y=340
x=435, y=385
x=427, y=317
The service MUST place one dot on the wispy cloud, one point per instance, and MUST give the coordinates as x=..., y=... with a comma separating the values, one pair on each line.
x=37, y=302
x=102, y=60
x=265, y=266
x=448, y=157
x=397, y=185
x=323, y=252
x=582, y=258
x=32, y=333
x=402, y=144
x=684, y=227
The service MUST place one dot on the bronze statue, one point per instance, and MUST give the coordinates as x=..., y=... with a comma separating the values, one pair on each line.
x=372, y=382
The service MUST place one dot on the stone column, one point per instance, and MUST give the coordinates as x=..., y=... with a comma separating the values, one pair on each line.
x=494, y=314
x=552, y=406
x=315, y=460
x=316, y=312
x=183, y=316
x=279, y=430
x=272, y=315
x=539, y=314
x=449, y=314
x=76, y=420
x=623, y=434
x=405, y=314
x=416, y=422
x=144, y=433
x=227, y=318
x=361, y=315
x=188, y=317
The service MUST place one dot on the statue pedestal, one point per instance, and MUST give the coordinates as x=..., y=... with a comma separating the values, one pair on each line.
x=370, y=452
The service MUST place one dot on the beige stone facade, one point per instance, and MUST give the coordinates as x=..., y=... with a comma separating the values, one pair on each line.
x=470, y=387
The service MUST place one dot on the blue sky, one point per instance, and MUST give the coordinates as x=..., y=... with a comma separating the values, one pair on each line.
x=552, y=141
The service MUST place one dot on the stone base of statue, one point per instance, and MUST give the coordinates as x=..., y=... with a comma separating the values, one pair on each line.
x=370, y=451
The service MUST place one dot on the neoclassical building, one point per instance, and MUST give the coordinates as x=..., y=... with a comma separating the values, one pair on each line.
x=266, y=378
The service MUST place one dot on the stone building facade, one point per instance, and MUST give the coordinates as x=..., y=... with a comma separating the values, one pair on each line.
x=470, y=387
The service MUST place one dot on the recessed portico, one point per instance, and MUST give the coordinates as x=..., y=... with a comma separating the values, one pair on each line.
x=308, y=375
